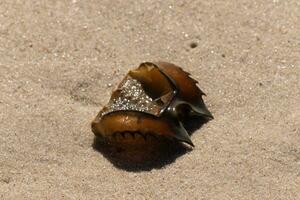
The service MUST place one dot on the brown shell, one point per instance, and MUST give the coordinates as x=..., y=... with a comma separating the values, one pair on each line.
x=188, y=92
x=151, y=100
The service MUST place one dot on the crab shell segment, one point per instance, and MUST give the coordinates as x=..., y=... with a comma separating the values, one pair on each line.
x=155, y=83
x=153, y=99
x=139, y=123
x=189, y=96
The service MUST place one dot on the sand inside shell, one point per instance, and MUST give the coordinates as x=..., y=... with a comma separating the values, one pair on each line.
x=131, y=95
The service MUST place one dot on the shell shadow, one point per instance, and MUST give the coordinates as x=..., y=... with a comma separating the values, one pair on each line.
x=192, y=124
x=138, y=158
x=152, y=155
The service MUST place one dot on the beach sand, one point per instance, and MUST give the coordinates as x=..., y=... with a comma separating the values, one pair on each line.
x=60, y=61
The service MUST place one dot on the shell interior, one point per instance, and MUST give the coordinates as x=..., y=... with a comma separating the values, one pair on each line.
x=145, y=89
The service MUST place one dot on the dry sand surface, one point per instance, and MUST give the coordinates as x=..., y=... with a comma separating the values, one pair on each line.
x=60, y=60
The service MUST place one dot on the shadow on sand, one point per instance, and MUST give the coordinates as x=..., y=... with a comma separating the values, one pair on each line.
x=152, y=154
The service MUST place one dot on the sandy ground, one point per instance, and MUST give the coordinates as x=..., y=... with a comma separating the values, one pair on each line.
x=60, y=60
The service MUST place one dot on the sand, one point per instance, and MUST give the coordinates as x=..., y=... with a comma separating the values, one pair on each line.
x=60, y=61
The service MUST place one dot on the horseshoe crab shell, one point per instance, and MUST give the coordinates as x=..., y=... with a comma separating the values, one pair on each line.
x=152, y=100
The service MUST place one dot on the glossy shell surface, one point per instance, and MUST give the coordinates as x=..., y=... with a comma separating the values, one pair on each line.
x=152, y=101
